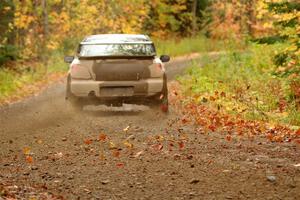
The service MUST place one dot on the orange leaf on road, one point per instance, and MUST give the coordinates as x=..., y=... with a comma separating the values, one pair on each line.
x=120, y=165
x=116, y=153
x=184, y=121
x=102, y=137
x=181, y=145
x=164, y=107
x=298, y=132
x=29, y=159
x=223, y=94
x=128, y=144
x=270, y=136
x=26, y=150
x=212, y=128
x=228, y=138
x=88, y=141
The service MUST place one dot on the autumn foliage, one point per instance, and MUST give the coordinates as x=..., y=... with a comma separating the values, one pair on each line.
x=208, y=117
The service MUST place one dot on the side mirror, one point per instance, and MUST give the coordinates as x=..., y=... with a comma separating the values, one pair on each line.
x=164, y=58
x=69, y=59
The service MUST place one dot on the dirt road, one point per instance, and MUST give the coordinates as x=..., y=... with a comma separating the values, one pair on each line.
x=49, y=152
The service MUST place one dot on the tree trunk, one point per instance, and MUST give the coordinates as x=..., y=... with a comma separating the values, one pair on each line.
x=194, y=12
x=45, y=15
x=46, y=33
x=251, y=18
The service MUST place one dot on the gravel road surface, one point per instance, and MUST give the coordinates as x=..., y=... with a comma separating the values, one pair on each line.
x=49, y=151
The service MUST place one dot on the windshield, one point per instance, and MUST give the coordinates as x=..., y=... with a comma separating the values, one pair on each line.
x=116, y=50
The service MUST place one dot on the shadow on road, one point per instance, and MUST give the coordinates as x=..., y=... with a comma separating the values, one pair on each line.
x=126, y=109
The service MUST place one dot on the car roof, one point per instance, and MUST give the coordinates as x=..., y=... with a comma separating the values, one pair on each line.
x=117, y=39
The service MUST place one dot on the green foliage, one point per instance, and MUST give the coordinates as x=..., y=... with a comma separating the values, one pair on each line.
x=7, y=82
x=168, y=17
x=7, y=53
x=8, y=50
x=11, y=81
x=251, y=90
x=56, y=63
x=269, y=39
x=284, y=6
x=177, y=47
x=287, y=19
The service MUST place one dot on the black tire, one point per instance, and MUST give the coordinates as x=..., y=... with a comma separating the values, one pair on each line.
x=161, y=101
x=164, y=104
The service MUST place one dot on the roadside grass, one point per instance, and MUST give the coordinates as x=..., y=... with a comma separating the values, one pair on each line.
x=241, y=83
x=198, y=44
x=29, y=78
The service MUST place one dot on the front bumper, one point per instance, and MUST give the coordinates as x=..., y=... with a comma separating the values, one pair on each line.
x=146, y=87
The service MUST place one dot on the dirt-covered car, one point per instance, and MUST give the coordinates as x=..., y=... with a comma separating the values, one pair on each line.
x=113, y=69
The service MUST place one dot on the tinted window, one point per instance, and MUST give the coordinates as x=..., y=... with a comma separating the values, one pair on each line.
x=117, y=50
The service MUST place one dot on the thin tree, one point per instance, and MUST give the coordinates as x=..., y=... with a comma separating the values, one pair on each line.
x=46, y=32
x=194, y=12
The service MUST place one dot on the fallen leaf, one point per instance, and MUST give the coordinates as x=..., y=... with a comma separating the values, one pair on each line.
x=181, y=145
x=212, y=128
x=102, y=137
x=171, y=145
x=184, y=120
x=223, y=94
x=112, y=145
x=102, y=156
x=298, y=132
x=116, y=153
x=159, y=138
x=228, y=138
x=26, y=150
x=297, y=141
x=270, y=136
x=164, y=107
x=212, y=98
x=128, y=145
x=120, y=165
x=210, y=162
x=29, y=159
x=88, y=141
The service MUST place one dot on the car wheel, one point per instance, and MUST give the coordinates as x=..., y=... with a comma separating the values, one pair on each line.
x=162, y=102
